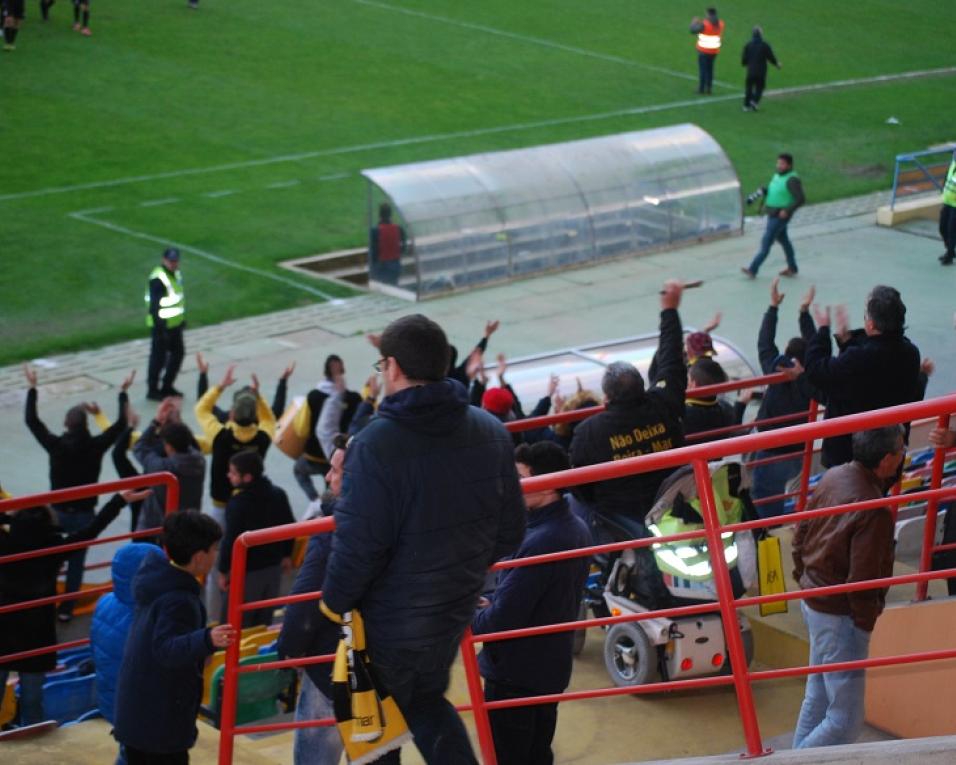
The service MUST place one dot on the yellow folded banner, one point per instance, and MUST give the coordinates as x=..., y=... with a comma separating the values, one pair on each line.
x=770, y=568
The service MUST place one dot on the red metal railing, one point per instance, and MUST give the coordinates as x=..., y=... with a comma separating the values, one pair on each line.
x=699, y=456
x=67, y=495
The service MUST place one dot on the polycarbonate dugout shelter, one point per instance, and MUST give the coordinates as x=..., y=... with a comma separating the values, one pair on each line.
x=487, y=218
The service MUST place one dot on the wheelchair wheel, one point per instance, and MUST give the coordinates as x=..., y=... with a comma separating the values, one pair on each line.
x=628, y=655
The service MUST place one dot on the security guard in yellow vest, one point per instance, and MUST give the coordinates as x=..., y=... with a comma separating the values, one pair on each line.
x=166, y=318
x=780, y=198
x=947, y=215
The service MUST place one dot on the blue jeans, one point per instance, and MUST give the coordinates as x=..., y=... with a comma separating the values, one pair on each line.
x=315, y=746
x=31, y=695
x=770, y=480
x=832, y=710
x=70, y=522
x=417, y=680
x=776, y=232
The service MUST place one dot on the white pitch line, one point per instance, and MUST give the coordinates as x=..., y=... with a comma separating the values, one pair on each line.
x=158, y=202
x=83, y=215
x=218, y=194
x=334, y=177
x=284, y=184
x=437, y=137
x=538, y=41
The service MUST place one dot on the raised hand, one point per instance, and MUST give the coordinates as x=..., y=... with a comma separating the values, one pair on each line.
x=202, y=364
x=502, y=368
x=91, y=407
x=255, y=383
x=31, y=375
x=807, y=299
x=374, y=339
x=553, y=385
x=714, y=323
x=229, y=377
x=841, y=321
x=776, y=296
x=821, y=316
x=125, y=385
x=288, y=372
x=491, y=327
x=671, y=293
x=374, y=387
x=474, y=363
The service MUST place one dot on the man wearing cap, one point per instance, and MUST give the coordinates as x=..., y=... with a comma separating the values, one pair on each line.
x=166, y=318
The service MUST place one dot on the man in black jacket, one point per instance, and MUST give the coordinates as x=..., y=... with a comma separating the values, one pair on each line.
x=880, y=369
x=757, y=54
x=76, y=457
x=256, y=504
x=635, y=422
x=770, y=479
x=430, y=499
x=527, y=597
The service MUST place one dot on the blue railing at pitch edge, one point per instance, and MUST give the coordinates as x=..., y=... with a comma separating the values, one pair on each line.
x=933, y=172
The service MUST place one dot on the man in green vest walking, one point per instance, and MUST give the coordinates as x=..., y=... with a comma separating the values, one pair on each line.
x=166, y=318
x=782, y=197
x=947, y=215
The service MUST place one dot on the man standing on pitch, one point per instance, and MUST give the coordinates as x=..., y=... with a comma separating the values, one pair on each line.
x=430, y=499
x=782, y=197
x=166, y=318
x=947, y=215
x=709, y=32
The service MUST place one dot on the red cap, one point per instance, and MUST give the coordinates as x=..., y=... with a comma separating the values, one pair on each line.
x=498, y=401
x=699, y=344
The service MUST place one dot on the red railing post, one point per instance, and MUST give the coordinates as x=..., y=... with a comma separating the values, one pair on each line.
x=230, y=680
x=728, y=612
x=932, y=508
x=807, y=461
x=482, y=724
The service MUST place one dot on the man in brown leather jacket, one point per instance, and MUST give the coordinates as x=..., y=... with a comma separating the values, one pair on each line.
x=849, y=547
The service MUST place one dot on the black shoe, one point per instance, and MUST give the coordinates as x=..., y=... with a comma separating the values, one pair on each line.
x=944, y=257
x=946, y=261
x=169, y=390
x=154, y=394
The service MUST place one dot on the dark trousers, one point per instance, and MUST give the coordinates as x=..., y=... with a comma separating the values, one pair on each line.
x=705, y=67
x=139, y=757
x=417, y=680
x=70, y=521
x=522, y=734
x=165, y=353
x=125, y=469
x=947, y=229
x=753, y=89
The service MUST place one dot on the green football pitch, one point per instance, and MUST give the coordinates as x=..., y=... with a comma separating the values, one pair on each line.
x=238, y=130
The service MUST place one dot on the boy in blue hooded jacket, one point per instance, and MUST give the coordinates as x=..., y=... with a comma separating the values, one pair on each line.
x=160, y=680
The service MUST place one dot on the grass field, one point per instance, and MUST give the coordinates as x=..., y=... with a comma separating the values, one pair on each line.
x=238, y=130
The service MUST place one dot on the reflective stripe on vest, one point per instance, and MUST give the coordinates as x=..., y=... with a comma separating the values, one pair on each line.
x=778, y=195
x=949, y=188
x=172, y=306
x=708, y=39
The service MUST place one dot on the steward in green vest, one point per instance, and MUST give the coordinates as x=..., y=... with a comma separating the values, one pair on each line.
x=782, y=196
x=166, y=318
x=947, y=215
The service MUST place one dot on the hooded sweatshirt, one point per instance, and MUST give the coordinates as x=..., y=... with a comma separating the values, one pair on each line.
x=112, y=619
x=430, y=499
x=756, y=54
x=189, y=467
x=161, y=677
